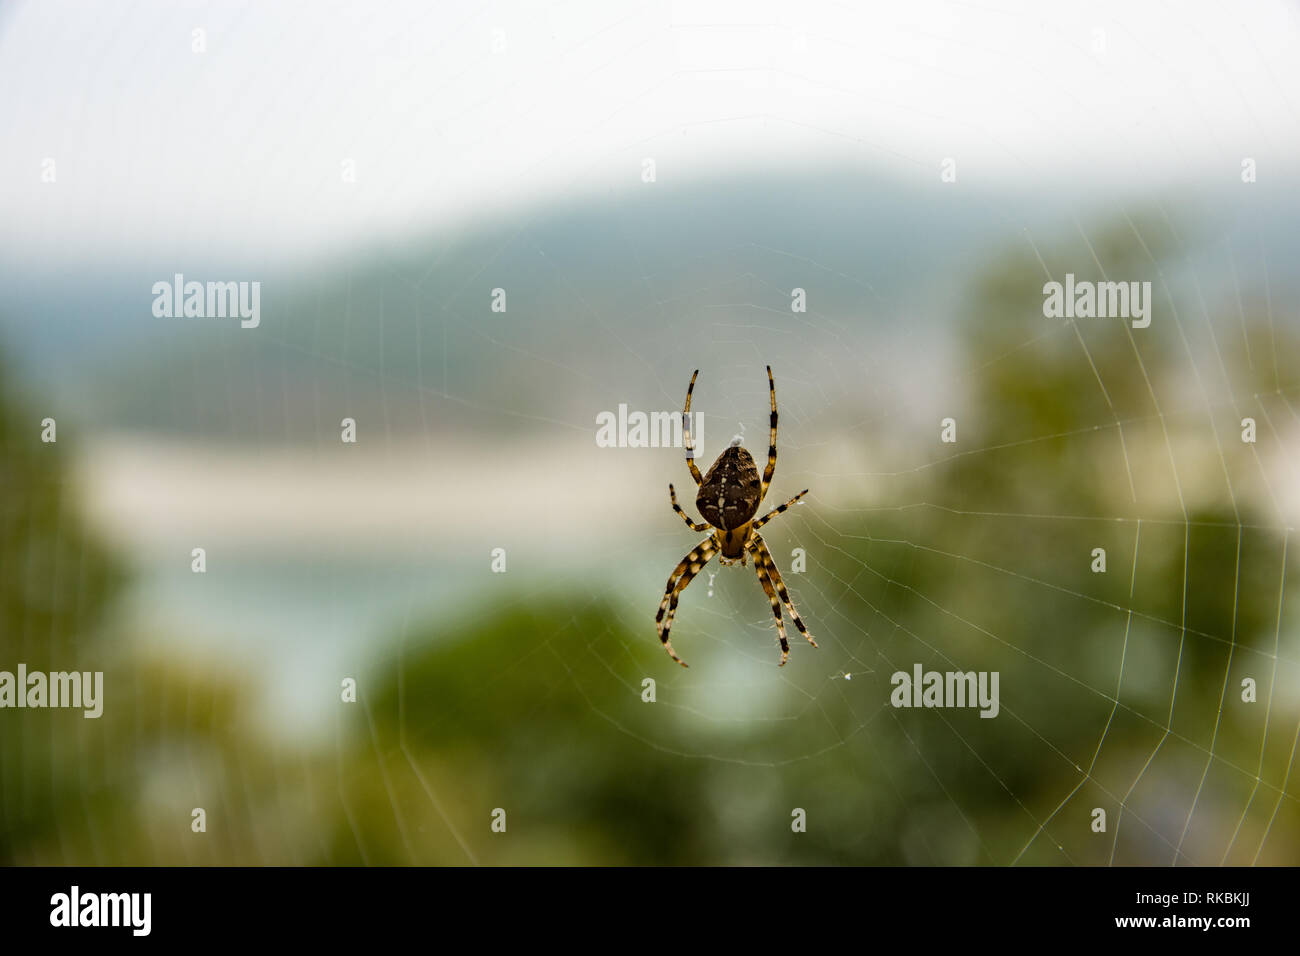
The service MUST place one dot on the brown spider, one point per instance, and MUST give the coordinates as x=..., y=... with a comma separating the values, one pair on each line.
x=728, y=499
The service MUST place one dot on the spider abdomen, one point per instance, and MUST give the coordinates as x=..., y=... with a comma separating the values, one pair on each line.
x=730, y=492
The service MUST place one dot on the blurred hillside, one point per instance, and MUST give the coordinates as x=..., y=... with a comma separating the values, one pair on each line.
x=616, y=292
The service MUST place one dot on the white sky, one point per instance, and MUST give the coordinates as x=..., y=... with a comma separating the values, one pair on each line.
x=159, y=147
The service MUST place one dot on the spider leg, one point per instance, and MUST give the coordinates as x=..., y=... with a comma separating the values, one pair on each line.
x=776, y=609
x=761, y=553
x=686, y=433
x=677, y=582
x=775, y=511
x=678, y=508
x=771, y=446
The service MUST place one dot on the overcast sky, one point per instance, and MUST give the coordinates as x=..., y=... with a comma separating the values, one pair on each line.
x=450, y=110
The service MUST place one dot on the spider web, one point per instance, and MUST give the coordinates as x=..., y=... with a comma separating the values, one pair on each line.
x=819, y=712
x=828, y=714
x=824, y=710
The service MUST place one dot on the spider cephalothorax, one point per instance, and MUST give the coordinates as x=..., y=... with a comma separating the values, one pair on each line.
x=728, y=499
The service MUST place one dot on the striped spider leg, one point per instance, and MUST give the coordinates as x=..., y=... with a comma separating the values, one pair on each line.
x=763, y=559
x=682, y=575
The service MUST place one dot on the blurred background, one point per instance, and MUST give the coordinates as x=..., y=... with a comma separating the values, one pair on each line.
x=648, y=183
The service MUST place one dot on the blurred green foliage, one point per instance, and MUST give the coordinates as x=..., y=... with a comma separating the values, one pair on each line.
x=55, y=583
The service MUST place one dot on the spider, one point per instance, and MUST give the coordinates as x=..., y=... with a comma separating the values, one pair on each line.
x=728, y=499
